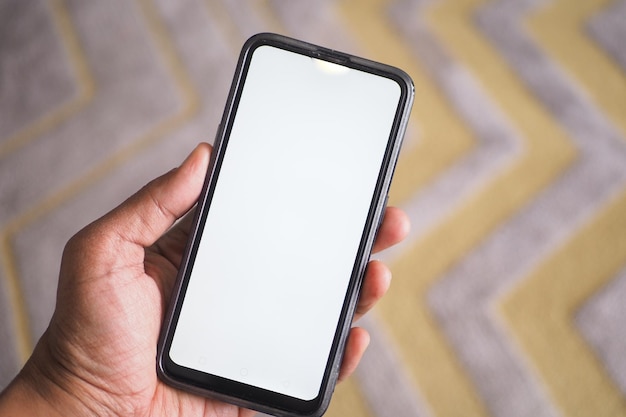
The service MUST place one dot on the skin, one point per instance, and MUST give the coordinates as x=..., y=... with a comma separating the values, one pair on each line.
x=97, y=356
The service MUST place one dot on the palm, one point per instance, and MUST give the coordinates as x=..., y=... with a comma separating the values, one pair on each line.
x=119, y=310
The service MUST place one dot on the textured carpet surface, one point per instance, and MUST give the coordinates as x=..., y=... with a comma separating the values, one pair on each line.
x=508, y=297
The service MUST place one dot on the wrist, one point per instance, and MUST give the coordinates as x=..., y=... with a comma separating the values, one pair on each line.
x=19, y=398
x=42, y=389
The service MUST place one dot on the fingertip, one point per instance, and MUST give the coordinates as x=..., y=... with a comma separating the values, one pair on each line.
x=357, y=344
x=394, y=228
x=146, y=215
x=401, y=221
x=198, y=159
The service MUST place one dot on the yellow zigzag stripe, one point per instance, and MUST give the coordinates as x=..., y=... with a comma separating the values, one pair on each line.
x=547, y=154
x=86, y=85
x=24, y=342
x=443, y=138
x=545, y=329
x=348, y=400
x=233, y=34
x=560, y=29
x=541, y=313
x=222, y=18
x=265, y=9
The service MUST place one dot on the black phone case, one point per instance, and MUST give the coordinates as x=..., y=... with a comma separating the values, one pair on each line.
x=234, y=392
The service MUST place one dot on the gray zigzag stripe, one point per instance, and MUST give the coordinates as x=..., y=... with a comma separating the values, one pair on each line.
x=45, y=238
x=148, y=97
x=39, y=245
x=246, y=22
x=464, y=299
x=608, y=28
x=316, y=21
x=19, y=106
x=601, y=320
x=498, y=143
x=10, y=359
x=35, y=74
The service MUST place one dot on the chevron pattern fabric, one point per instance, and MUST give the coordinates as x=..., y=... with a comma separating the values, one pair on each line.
x=509, y=296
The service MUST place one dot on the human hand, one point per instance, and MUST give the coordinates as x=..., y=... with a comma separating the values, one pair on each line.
x=98, y=355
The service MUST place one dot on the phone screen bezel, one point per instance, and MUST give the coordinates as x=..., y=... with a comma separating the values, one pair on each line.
x=237, y=392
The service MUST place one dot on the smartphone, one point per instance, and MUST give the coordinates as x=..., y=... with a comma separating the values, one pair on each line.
x=294, y=195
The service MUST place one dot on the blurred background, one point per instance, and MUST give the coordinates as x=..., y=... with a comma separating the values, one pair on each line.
x=509, y=296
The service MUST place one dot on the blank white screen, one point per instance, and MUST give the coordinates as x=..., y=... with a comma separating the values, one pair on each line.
x=285, y=223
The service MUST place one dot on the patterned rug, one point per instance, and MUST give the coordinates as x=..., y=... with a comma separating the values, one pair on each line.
x=508, y=296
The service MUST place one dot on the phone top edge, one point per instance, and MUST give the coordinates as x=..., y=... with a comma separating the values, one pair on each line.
x=331, y=55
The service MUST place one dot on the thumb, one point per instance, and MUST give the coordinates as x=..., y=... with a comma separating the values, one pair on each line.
x=145, y=216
